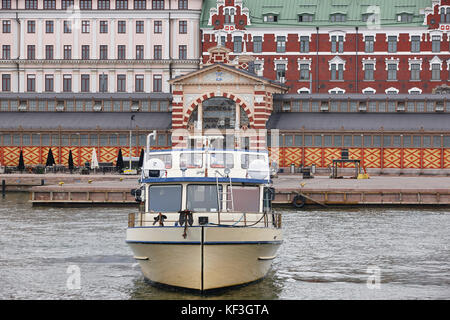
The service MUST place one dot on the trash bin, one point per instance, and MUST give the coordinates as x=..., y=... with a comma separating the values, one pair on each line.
x=313, y=168
x=292, y=168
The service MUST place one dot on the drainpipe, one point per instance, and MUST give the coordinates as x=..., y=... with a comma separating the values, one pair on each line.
x=317, y=62
x=18, y=45
x=356, y=62
x=170, y=45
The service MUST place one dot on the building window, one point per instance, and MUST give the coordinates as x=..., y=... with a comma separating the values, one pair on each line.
x=182, y=4
x=281, y=44
x=229, y=15
x=85, y=4
x=304, y=71
x=436, y=44
x=257, y=44
x=435, y=71
x=305, y=17
x=31, y=4
x=6, y=82
x=103, y=52
x=49, y=52
x=140, y=4
x=66, y=4
x=67, y=52
x=281, y=72
x=6, y=4
x=182, y=52
x=103, y=83
x=121, y=4
x=270, y=18
x=337, y=44
x=157, y=52
x=157, y=83
x=415, y=43
x=103, y=26
x=139, y=83
x=31, y=52
x=415, y=71
x=392, y=43
x=304, y=44
x=121, y=83
x=6, y=52
x=67, y=26
x=237, y=44
x=369, y=44
x=67, y=83
x=48, y=26
x=103, y=5
x=157, y=26
x=31, y=83
x=49, y=4
x=139, y=26
x=121, y=26
x=49, y=83
x=337, y=71
x=31, y=26
x=369, y=71
x=183, y=27
x=85, y=24
x=85, y=52
x=338, y=17
x=85, y=83
x=6, y=26
x=139, y=52
x=405, y=17
x=121, y=52
x=392, y=71
x=158, y=4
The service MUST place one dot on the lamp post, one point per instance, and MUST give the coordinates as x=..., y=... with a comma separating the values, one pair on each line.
x=131, y=128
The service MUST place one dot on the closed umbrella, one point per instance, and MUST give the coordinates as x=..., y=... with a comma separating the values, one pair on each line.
x=70, y=161
x=21, y=165
x=94, y=161
x=141, y=159
x=119, y=163
x=50, y=159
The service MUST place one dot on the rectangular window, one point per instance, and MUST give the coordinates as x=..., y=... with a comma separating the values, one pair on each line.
x=281, y=71
x=121, y=26
x=85, y=26
x=67, y=26
x=436, y=44
x=31, y=83
x=140, y=4
x=6, y=82
x=139, y=26
x=31, y=26
x=139, y=52
x=6, y=4
x=6, y=52
x=85, y=4
x=49, y=26
x=337, y=44
x=157, y=83
x=182, y=51
x=157, y=26
x=85, y=52
x=257, y=44
x=304, y=71
x=281, y=44
x=67, y=52
x=392, y=71
x=182, y=27
x=158, y=4
x=392, y=43
x=121, y=83
x=67, y=83
x=66, y=4
x=157, y=52
x=415, y=43
x=6, y=26
x=304, y=44
x=164, y=198
x=121, y=54
x=182, y=4
x=237, y=44
x=103, y=26
x=48, y=52
x=103, y=52
x=139, y=83
x=85, y=86
x=368, y=71
x=103, y=83
x=49, y=83
x=203, y=198
x=121, y=4
x=415, y=71
x=369, y=44
x=31, y=4
x=31, y=52
x=103, y=5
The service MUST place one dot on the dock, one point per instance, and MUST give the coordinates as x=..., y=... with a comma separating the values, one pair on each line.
x=321, y=190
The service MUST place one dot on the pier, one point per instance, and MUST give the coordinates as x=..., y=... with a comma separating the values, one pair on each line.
x=54, y=189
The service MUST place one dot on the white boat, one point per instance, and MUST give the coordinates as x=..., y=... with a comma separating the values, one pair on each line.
x=205, y=219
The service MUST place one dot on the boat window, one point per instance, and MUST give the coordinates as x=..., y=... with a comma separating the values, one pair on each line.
x=246, y=159
x=165, y=198
x=222, y=160
x=203, y=198
x=191, y=160
x=166, y=158
x=245, y=199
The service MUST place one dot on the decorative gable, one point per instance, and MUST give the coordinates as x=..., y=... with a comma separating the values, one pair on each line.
x=229, y=15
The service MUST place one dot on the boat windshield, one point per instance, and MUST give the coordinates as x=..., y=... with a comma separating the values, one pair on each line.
x=245, y=199
x=203, y=198
x=165, y=198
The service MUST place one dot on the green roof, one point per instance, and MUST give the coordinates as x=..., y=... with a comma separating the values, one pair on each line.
x=288, y=11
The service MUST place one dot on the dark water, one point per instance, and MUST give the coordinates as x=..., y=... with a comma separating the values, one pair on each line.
x=364, y=253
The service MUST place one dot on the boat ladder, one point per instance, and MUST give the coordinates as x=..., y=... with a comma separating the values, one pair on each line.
x=229, y=203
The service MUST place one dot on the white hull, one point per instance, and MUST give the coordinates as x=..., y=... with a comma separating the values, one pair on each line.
x=210, y=257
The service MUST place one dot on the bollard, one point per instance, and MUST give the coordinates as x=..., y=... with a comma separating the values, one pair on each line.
x=3, y=187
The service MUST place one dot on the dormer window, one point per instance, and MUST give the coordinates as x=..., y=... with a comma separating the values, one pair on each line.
x=271, y=18
x=404, y=17
x=305, y=17
x=338, y=17
x=229, y=15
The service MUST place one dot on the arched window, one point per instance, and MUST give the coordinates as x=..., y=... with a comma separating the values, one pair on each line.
x=227, y=16
x=447, y=16
x=442, y=15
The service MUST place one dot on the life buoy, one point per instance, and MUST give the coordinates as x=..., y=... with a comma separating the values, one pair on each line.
x=298, y=201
